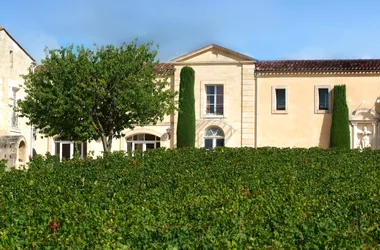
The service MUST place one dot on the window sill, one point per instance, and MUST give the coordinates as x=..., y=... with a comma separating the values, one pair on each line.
x=15, y=130
x=279, y=111
x=210, y=116
x=322, y=111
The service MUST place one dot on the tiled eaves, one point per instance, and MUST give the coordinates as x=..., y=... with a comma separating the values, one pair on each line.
x=161, y=68
x=164, y=68
x=344, y=66
x=316, y=73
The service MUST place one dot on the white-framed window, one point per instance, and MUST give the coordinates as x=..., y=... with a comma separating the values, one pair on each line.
x=142, y=142
x=66, y=149
x=279, y=99
x=214, y=99
x=14, y=115
x=322, y=99
x=213, y=137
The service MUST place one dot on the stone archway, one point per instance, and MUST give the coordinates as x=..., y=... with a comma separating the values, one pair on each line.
x=13, y=150
x=364, y=129
x=21, y=151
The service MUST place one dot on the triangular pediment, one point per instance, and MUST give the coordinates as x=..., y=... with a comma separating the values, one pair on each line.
x=212, y=53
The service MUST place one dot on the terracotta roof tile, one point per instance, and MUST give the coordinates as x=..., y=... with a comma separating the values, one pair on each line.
x=343, y=65
x=161, y=68
x=164, y=68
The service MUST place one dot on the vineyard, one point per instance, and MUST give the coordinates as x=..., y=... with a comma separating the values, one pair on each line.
x=226, y=198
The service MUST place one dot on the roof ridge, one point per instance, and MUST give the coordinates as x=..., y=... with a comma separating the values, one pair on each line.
x=210, y=46
x=19, y=45
x=319, y=65
x=320, y=60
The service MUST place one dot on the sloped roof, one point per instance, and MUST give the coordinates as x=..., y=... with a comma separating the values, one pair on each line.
x=162, y=68
x=342, y=65
x=3, y=29
x=210, y=47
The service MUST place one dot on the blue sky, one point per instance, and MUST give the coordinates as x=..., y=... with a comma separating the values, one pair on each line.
x=263, y=29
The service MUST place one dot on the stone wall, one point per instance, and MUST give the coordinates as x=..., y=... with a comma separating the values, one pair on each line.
x=14, y=150
x=14, y=62
x=301, y=125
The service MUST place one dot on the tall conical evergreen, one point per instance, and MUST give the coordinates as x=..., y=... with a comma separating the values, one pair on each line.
x=186, y=115
x=340, y=130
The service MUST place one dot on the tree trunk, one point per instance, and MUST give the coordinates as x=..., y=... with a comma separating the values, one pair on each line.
x=107, y=142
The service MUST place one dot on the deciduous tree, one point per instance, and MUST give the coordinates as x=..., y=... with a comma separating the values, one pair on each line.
x=89, y=94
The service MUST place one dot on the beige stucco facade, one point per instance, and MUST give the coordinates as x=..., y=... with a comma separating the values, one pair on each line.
x=214, y=65
x=301, y=125
x=236, y=105
x=14, y=62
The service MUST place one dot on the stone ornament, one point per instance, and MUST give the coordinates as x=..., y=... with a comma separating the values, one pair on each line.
x=365, y=142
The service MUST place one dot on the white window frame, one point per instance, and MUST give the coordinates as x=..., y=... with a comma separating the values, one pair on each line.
x=143, y=142
x=274, y=100
x=72, y=145
x=214, y=137
x=316, y=99
x=14, y=115
x=215, y=100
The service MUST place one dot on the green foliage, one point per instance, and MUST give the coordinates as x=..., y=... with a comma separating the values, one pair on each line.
x=186, y=116
x=195, y=199
x=83, y=94
x=3, y=165
x=340, y=131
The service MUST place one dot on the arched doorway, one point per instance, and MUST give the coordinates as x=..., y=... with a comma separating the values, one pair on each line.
x=22, y=151
x=213, y=137
x=142, y=142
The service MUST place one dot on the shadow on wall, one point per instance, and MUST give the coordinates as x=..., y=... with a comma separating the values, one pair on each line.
x=324, y=137
x=34, y=152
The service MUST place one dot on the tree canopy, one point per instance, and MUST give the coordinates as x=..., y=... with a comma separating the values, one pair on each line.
x=90, y=94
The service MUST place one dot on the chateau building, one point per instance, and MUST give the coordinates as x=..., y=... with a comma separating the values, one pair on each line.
x=240, y=102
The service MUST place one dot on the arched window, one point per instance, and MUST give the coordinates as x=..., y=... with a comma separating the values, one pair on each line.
x=142, y=142
x=213, y=137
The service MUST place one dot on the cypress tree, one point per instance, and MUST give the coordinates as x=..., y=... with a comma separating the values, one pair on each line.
x=186, y=115
x=340, y=131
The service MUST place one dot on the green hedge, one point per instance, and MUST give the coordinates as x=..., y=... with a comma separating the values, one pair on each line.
x=195, y=199
x=186, y=115
x=340, y=130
